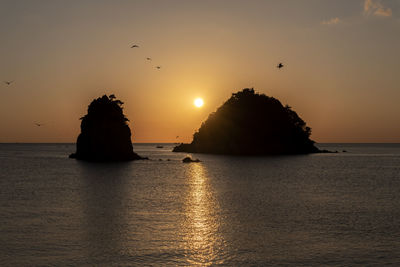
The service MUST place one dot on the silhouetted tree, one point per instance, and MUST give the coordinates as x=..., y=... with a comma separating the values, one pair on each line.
x=105, y=134
x=249, y=123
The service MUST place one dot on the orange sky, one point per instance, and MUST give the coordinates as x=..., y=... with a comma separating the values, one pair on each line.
x=341, y=59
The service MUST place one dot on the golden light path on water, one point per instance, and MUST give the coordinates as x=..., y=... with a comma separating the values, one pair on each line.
x=204, y=244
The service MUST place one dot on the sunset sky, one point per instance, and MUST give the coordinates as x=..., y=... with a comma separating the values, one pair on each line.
x=341, y=74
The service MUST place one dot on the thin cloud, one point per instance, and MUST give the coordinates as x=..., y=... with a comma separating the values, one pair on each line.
x=383, y=12
x=376, y=8
x=332, y=21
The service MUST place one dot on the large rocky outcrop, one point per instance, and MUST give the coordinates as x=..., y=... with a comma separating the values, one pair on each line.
x=105, y=134
x=252, y=124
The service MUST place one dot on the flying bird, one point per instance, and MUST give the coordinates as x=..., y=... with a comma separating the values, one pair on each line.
x=39, y=124
x=134, y=46
x=280, y=65
x=148, y=58
x=158, y=67
x=8, y=82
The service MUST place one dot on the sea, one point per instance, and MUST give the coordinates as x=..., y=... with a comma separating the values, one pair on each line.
x=333, y=209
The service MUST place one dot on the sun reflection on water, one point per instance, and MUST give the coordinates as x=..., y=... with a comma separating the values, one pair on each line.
x=204, y=244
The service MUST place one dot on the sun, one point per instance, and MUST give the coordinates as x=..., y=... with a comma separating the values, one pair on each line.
x=198, y=102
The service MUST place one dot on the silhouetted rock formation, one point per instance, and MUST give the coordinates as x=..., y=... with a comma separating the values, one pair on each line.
x=189, y=160
x=252, y=124
x=105, y=134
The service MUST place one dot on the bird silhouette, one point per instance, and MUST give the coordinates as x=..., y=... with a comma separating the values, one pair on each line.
x=134, y=46
x=279, y=66
x=8, y=82
x=39, y=124
x=158, y=67
x=148, y=58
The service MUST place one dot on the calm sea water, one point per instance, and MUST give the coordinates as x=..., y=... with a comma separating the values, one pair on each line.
x=311, y=210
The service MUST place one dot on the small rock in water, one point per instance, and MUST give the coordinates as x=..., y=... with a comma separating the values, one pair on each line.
x=189, y=160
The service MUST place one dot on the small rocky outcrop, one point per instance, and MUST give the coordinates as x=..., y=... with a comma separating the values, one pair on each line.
x=252, y=124
x=105, y=134
x=189, y=160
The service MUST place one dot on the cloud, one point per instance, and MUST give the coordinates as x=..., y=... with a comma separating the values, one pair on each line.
x=332, y=21
x=383, y=12
x=375, y=8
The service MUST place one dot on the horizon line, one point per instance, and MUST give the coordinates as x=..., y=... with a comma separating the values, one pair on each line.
x=187, y=143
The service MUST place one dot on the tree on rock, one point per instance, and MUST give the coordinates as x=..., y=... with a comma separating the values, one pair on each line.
x=105, y=134
x=249, y=123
